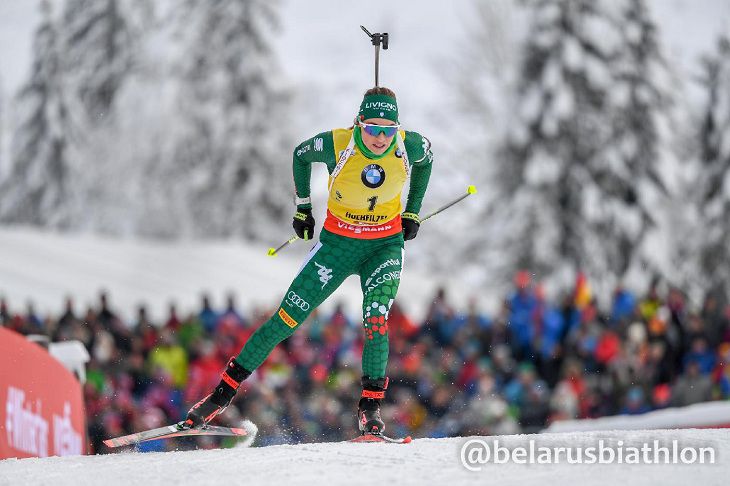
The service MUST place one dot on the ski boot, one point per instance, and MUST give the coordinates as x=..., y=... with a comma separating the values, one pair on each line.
x=214, y=403
x=368, y=413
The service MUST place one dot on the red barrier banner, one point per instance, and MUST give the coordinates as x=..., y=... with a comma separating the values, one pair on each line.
x=41, y=402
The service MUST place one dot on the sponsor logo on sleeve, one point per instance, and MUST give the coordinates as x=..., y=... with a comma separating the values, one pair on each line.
x=427, y=154
x=303, y=150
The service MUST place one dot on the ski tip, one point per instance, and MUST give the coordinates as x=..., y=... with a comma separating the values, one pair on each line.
x=471, y=190
x=407, y=440
x=272, y=252
x=117, y=442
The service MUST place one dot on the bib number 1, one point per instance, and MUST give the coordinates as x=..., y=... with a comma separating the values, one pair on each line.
x=372, y=202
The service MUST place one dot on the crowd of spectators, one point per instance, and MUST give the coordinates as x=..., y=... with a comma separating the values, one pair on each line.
x=459, y=372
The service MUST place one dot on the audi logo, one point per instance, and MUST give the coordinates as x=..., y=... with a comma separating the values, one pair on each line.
x=295, y=300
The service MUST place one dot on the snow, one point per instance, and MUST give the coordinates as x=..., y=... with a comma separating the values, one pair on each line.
x=602, y=34
x=698, y=415
x=573, y=55
x=45, y=267
x=424, y=461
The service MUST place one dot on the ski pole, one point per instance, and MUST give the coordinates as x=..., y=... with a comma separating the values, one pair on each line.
x=273, y=251
x=469, y=191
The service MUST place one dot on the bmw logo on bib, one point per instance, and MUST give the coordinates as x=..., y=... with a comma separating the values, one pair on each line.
x=373, y=176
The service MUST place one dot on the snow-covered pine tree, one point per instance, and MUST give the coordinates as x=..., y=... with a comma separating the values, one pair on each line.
x=715, y=186
x=579, y=173
x=100, y=45
x=234, y=154
x=477, y=78
x=642, y=210
x=40, y=179
x=97, y=45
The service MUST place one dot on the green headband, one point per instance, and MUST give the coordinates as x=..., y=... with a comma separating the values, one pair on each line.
x=378, y=106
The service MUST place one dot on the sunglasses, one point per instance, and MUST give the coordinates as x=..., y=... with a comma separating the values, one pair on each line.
x=375, y=130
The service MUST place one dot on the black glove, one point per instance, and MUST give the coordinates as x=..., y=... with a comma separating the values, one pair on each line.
x=411, y=222
x=304, y=224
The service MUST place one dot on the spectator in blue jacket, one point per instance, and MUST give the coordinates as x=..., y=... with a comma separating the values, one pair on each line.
x=208, y=317
x=700, y=353
x=522, y=308
x=624, y=305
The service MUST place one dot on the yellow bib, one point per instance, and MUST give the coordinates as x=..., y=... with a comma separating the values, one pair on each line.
x=366, y=191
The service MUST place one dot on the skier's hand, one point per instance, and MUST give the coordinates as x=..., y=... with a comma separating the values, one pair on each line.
x=411, y=222
x=304, y=224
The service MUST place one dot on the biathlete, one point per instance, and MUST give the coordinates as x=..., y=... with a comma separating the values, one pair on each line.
x=364, y=233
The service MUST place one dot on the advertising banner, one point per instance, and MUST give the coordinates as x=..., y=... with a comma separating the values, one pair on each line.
x=41, y=402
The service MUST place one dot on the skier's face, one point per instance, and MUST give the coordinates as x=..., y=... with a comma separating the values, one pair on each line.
x=380, y=143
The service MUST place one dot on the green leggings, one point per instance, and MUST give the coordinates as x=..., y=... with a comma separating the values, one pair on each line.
x=378, y=263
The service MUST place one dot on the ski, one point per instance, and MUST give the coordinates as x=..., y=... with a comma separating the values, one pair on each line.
x=176, y=430
x=381, y=438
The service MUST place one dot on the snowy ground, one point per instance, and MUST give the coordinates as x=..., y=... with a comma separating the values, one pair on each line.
x=44, y=267
x=424, y=461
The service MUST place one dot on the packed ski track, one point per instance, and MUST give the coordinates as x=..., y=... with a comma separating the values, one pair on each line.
x=424, y=461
